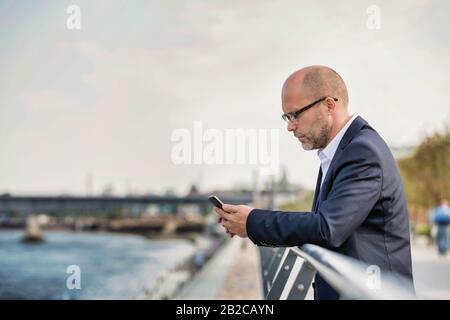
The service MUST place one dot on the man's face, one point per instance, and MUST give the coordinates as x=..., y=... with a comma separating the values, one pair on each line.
x=312, y=127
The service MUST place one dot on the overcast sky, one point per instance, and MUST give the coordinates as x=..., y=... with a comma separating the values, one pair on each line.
x=104, y=100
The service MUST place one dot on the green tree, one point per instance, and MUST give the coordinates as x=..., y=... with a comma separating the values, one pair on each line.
x=426, y=174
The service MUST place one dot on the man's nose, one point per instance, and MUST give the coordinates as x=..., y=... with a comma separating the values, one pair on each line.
x=291, y=126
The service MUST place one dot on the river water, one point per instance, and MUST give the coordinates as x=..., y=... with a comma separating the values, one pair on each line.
x=111, y=266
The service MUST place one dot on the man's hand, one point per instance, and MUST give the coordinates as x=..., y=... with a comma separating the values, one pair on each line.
x=219, y=220
x=234, y=219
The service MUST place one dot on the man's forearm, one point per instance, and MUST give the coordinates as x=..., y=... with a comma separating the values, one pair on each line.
x=286, y=229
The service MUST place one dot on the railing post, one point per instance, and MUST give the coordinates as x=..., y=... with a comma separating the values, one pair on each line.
x=273, y=267
x=302, y=282
x=281, y=278
x=267, y=255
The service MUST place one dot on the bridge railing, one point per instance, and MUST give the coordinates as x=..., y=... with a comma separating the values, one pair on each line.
x=287, y=273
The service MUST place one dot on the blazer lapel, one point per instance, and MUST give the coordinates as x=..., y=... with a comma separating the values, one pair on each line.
x=351, y=132
x=317, y=191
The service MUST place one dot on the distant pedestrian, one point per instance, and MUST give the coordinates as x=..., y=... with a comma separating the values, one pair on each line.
x=441, y=218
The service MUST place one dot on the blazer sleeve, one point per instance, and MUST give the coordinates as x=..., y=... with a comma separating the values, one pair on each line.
x=356, y=187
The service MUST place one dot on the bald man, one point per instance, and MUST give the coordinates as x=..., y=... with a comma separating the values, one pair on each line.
x=359, y=207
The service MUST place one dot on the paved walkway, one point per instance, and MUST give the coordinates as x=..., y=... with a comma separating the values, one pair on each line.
x=233, y=273
x=243, y=281
x=431, y=273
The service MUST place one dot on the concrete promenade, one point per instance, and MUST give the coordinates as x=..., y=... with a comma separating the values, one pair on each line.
x=233, y=273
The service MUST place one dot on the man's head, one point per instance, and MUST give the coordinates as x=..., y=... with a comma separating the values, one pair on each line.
x=444, y=202
x=316, y=126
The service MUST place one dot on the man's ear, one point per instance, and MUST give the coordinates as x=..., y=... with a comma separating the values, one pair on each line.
x=331, y=105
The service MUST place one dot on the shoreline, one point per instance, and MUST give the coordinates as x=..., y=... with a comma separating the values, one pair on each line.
x=167, y=282
x=171, y=281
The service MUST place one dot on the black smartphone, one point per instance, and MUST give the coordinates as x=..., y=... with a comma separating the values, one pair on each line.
x=216, y=201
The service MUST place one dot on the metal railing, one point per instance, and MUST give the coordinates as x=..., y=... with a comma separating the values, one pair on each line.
x=287, y=273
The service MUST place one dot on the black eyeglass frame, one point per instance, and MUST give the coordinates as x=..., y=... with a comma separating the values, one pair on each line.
x=291, y=116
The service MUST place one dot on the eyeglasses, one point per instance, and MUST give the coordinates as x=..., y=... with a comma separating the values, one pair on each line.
x=292, y=116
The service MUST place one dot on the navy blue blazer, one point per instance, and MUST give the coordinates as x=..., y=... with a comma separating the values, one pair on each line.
x=360, y=210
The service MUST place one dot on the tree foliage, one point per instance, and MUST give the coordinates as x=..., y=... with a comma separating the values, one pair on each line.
x=426, y=174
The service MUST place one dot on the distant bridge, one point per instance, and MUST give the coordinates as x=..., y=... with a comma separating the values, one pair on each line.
x=74, y=204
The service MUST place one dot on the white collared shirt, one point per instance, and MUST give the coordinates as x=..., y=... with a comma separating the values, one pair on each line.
x=326, y=154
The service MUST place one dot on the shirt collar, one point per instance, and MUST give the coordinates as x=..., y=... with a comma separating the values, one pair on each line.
x=328, y=152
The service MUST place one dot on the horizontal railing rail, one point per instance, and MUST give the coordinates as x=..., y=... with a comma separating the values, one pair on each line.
x=287, y=273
